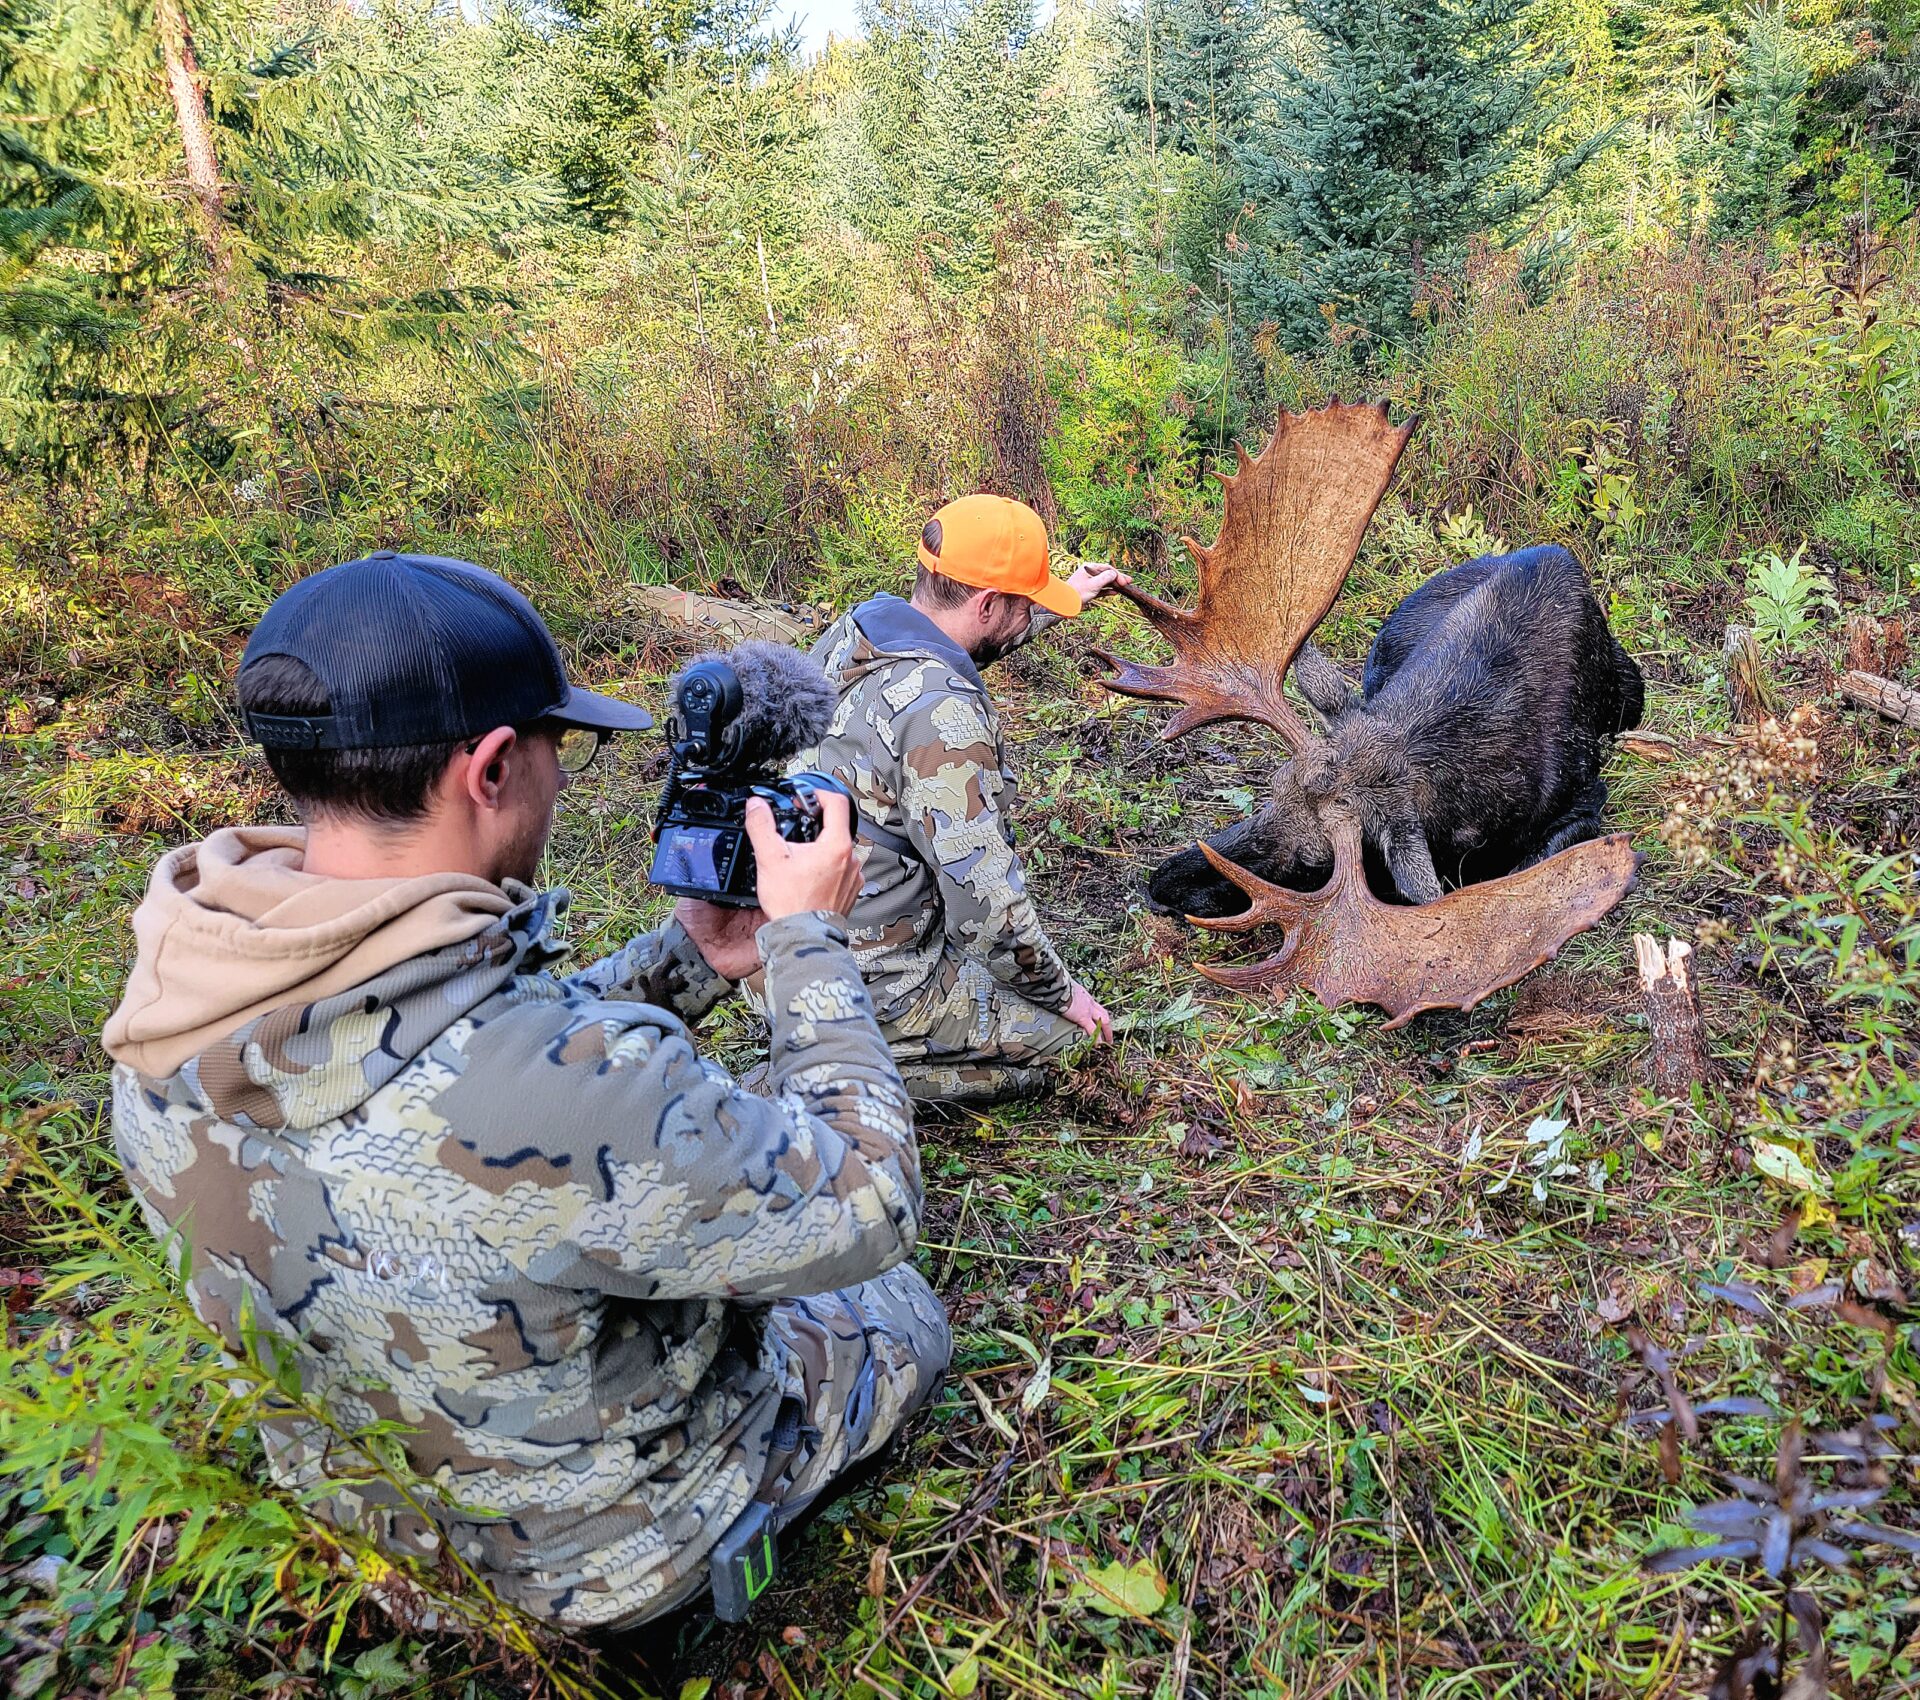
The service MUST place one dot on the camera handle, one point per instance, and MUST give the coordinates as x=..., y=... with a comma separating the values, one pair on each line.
x=861, y=827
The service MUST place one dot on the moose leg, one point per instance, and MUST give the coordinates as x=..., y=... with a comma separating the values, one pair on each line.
x=1580, y=822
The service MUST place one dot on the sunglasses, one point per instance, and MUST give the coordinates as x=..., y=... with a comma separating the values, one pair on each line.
x=576, y=745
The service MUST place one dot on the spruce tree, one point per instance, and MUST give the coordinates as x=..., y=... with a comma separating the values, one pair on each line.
x=872, y=146
x=1769, y=84
x=980, y=142
x=1187, y=76
x=582, y=74
x=1403, y=128
x=1188, y=71
x=954, y=115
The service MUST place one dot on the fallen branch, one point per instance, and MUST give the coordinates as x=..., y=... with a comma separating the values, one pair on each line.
x=957, y=1533
x=1649, y=745
x=1679, y=1056
x=719, y=619
x=1884, y=696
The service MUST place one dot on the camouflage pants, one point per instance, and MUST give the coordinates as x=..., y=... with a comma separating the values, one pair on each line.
x=857, y=1364
x=966, y=1039
x=969, y=1040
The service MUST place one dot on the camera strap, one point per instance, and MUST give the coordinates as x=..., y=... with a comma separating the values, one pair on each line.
x=900, y=846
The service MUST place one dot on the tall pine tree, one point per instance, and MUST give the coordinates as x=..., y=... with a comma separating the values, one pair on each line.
x=1404, y=128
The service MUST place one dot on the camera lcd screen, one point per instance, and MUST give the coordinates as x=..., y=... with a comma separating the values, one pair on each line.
x=689, y=855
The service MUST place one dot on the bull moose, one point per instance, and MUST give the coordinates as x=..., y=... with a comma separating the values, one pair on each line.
x=1464, y=778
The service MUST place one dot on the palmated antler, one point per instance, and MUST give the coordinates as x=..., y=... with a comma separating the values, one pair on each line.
x=1293, y=523
x=1346, y=946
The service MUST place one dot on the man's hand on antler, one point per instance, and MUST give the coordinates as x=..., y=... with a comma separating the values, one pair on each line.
x=1093, y=579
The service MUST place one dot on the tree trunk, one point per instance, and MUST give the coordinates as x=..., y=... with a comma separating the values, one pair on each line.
x=1883, y=696
x=1750, y=694
x=196, y=134
x=1679, y=1056
x=766, y=289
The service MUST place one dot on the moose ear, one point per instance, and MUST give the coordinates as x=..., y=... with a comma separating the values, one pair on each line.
x=1321, y=682
x=1411, y=863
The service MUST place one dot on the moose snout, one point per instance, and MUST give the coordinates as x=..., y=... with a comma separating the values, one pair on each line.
x=1187, y=884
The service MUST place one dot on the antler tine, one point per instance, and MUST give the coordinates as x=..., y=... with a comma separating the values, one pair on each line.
x=1291, y=528
x=1269, y=903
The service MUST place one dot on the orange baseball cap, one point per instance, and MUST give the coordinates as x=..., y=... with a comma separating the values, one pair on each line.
x=996, y=543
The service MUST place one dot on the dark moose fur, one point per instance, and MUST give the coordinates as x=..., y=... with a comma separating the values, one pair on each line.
x=1490, y=700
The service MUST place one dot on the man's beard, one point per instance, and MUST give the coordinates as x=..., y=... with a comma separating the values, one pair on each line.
x=521, y=859
x=989, y=650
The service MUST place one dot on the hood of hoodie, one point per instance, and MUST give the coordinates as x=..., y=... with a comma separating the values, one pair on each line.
x=283, y=998
x=896, y=630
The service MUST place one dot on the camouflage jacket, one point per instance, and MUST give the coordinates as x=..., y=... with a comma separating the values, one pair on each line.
x=516, y=1215
x=916, y=739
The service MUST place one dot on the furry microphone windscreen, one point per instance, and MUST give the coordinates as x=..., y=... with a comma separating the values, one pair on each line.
x=786, y=703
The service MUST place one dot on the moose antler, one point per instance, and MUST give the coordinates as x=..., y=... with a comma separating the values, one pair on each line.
x=1346, y=946
x=1292, y=527
x=1293, y=523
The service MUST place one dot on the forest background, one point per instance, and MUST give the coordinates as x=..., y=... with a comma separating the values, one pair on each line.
x=1296, y=1357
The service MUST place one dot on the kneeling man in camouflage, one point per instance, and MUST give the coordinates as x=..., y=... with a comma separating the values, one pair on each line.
x=970, y=991
x=630, y=1318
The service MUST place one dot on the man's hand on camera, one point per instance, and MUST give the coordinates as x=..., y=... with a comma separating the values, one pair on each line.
x=723, y=936
x=1095, y=579
x=1090, y=1015
x=796, y=879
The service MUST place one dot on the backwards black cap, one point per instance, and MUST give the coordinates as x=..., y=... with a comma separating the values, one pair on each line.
x=417, y=649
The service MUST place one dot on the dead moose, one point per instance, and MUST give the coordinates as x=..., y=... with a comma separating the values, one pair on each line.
x=1464, y=779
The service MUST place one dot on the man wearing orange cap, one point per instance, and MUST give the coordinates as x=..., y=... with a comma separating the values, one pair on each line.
x=970, y=992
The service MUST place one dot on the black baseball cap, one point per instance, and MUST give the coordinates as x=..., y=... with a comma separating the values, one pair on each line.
x=418, y=649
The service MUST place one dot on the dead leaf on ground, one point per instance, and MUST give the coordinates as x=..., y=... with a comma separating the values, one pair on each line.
x=1851, y=1310
x=1201, y=1143
x=1873, y=1280
x=1780, y=1241
x=1616, y=1304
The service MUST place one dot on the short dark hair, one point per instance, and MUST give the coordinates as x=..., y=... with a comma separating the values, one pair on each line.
x=391, y=786
x=936, y=590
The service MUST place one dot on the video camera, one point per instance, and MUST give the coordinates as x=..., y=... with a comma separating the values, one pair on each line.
x=733, y=722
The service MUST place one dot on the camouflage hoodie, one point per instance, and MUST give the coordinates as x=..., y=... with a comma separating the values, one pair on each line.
x=509, y=1211
x=916, y=739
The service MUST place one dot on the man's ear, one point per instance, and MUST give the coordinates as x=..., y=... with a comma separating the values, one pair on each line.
x=485, y=775
x=987, y=608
